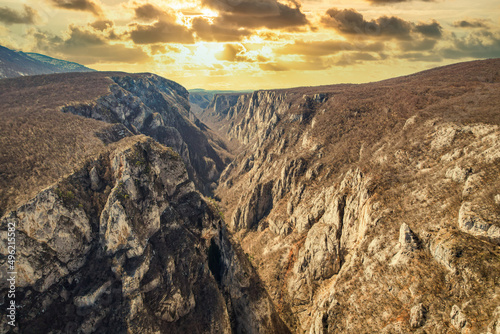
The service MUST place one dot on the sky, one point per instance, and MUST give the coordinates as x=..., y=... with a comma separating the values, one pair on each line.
x=256, y=44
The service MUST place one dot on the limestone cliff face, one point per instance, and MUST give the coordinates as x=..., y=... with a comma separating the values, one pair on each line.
x=246, y=116
x=158, y=107
x=127, y=245
x=372, y=208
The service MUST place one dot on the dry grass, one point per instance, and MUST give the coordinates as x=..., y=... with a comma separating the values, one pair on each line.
x=39, y=143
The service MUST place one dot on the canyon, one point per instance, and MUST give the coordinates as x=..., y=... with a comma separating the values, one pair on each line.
x=370, y=208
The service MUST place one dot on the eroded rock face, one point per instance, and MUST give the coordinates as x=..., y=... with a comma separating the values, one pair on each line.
x=458, y=319
x=470, y=220
x=158, y=107
x=417, y=316
x=126, y=244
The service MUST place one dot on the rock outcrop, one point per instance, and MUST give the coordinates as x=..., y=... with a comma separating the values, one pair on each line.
x=157, y=107
x=126, y=244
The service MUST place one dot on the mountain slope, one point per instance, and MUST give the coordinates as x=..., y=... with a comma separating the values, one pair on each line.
x=17, y=63
x=143, y=103
x=111, y=234
x=375, y=207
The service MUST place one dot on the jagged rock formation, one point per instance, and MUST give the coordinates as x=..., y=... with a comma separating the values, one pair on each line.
x=159, y=108
x=126, y=245
x=371, y=208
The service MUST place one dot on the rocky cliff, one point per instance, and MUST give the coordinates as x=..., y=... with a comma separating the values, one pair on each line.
x=159, y=108
x=111, y=233
x=126, y=245
x=372, y=208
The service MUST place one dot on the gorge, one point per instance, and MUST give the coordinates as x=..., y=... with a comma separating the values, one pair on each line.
x=370, y=208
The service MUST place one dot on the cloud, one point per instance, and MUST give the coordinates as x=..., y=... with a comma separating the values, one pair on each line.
x=275, y=67
x=79, y=5
x=349, y=21
x=478, y=44
x=254, y=14
x=323, y=48
x=433, y=30
x=233, y=53
x=163, y=30
x=87, y=47
x=160, y=32
x=148, y=12
x=215, y=32
x=474, y=23
x=308, y=64
x=419, y=45
x=10, y=16
x=347, y=59
x=384, y=2
x=320, y=48
x=157, y=49
x=102, y=25
x=420, y=56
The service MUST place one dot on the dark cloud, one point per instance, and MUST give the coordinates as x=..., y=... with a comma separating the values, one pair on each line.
x=87, y=47
x=102, y=25
x=80, y=5
x=433, y=30
x=163, y=30
x=10, y=16
x=478, y=44
x=149, y=12
x=160, y=32
x=233, y=53
x=257, y=14
x=213, y=32
x=349, y=21
x=476, y=23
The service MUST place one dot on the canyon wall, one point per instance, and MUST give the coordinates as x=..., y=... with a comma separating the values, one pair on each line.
x=372, y=208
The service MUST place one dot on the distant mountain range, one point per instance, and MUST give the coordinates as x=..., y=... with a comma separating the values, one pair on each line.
x=17, y=63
